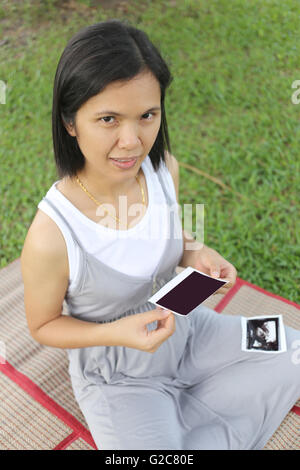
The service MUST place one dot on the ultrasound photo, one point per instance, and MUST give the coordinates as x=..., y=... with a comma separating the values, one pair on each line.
x=264, y=334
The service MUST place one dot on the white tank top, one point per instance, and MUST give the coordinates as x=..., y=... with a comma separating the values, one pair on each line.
x=135, y=251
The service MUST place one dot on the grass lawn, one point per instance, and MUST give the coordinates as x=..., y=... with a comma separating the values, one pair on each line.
x=229, y=111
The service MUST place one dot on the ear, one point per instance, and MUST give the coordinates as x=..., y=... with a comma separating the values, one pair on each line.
x=70, y=130
x=69, y=127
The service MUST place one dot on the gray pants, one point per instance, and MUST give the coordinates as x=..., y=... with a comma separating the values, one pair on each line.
x=215, y=396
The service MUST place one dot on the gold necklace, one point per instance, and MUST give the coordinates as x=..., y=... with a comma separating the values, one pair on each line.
x=101, y=203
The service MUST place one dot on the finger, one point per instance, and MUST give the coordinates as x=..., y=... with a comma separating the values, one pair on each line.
x=153, y=315
x=222, y=290
x=158, y=336
x=230, y=273
x=166, y=322
x=228, y=284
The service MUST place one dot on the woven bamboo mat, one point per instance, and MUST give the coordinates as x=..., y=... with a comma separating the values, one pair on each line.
x=37, y=406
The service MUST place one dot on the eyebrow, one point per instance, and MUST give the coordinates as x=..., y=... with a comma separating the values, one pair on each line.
x=114, y=113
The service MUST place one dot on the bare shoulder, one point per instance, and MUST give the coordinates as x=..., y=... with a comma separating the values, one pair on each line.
x=45, y=271
x=44, y=242
x=171, y=162
x=173, y=167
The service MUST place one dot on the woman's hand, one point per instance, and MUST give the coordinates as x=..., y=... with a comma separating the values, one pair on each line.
x=132, y=331
x=209, y=261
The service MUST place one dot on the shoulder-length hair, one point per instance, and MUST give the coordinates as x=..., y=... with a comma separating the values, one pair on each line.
x=93, y=58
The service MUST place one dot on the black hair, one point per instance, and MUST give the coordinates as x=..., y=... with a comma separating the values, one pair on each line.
x=93, y=58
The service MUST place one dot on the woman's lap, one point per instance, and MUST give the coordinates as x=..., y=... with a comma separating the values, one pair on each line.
x=221, y=398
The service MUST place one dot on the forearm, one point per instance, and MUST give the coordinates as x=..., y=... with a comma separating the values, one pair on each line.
x=68, y=333
x=191, y=250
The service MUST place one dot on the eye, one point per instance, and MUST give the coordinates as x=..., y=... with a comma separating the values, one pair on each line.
x=106, y=117
x=153, y=114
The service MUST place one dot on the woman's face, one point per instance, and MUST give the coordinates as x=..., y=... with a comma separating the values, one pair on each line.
x=119, y=122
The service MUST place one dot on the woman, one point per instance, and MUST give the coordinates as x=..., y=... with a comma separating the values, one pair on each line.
x=143, y=379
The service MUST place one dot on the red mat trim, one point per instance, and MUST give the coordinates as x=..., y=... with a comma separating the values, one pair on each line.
x=239, y=283
x=41, y=397
x=296, y=409
x=67, y=441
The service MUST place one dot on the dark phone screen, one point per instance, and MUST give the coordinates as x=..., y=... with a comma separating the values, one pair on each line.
x=190, y=292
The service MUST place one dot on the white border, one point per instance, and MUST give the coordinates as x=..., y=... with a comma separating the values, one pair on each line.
x=281, y=339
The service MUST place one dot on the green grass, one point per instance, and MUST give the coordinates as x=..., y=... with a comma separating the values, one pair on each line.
x=229, y=112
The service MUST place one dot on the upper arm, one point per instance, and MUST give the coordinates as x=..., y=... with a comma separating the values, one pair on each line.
x=44, y=265
x=173, y=167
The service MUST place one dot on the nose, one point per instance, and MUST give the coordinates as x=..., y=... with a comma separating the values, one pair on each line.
x=129, y=137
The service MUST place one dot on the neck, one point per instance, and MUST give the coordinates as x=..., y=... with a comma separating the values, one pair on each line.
x=104, y=190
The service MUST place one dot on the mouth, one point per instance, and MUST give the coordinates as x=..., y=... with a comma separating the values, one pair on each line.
x=123, y=159
x=124, y=162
